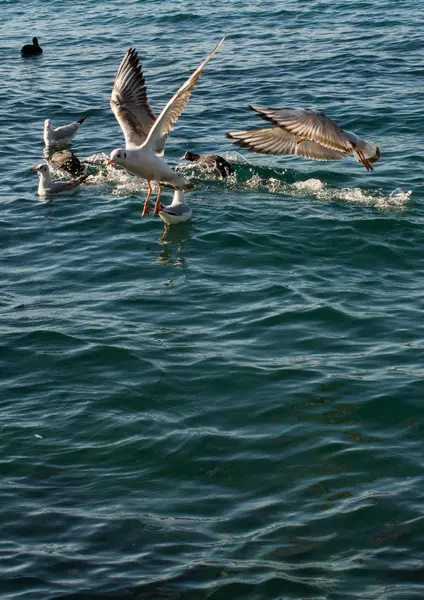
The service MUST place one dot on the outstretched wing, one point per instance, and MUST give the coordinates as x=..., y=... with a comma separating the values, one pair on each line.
x=274, y=140
x=129, y=101
x=308, y=124
x=167, y=118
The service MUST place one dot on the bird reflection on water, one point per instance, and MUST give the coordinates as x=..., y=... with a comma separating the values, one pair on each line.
x=171, y=240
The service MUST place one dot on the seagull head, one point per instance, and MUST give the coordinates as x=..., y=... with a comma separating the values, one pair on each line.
x=41, y=168
x=118, y=156
x=47, y=124
x=190, y=156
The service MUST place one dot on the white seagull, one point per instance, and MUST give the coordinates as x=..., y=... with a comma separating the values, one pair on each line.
x=48, y=187
x=145, y=136
x=61, y=135
x=306, y=133
x=176, y=212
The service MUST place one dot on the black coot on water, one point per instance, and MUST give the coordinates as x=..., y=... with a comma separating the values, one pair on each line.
x=32, y=49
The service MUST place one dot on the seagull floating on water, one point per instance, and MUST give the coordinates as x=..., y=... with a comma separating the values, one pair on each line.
x=217, y=163
x=176, y=212
x=307, y=133
x=61, y=135
x=145, y=136
x=67, y=161
x=33, y=49
x=48, y=187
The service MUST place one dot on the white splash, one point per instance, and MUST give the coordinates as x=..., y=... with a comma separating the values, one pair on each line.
x=397, y=199
x=123, y=183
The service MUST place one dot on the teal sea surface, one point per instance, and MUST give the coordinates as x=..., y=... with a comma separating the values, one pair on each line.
x=231, y=408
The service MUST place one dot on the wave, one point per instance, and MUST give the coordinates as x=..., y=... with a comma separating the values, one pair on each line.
x=248, y=177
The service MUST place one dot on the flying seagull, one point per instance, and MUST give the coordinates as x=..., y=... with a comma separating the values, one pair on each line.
x=307, y=133
x=145, y=135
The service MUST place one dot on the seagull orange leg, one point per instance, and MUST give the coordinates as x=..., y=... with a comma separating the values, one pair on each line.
x=157, y=204
x=146, y=203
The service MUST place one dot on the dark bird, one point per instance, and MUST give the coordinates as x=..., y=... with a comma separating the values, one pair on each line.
x=67, y=161
x=306, y=133
x=32, y=49
x=213, y=161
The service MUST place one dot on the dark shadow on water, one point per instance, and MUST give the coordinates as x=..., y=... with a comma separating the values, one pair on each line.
x=171, y=240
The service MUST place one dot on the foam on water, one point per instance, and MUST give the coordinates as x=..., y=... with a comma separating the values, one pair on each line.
x=316, y=188
x=321, y=191
x=116, y=180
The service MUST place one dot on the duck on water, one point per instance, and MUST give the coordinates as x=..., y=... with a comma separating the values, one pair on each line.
x=33, y=49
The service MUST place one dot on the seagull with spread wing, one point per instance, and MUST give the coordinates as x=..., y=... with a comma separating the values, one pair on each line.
x=307, y=133
x=146, y=135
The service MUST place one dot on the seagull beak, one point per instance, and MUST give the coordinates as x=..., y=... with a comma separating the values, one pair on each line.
x=34, y=169
x=110, y=162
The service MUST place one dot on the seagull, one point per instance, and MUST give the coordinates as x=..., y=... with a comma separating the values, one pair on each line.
x=145, y=135
x=217, y=163
x=306, y=133
x=33, y=49
x=67, y=161
x=176, y=212
x=48, y=187
x=61, y=135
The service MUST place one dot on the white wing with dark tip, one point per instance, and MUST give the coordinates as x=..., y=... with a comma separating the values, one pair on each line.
x=274, y=140
x=129, y=101
x=167, y=118
x=308, y=124
x=63, y=134
x=179, y=210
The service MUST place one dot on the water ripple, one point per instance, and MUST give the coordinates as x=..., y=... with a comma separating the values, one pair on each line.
x=231, y=407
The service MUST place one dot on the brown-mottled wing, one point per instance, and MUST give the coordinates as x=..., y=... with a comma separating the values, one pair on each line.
x=129, y=101
x=308, y=124
x=274, y=140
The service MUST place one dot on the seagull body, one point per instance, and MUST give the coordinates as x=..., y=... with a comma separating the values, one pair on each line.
x=61, y=135
x=67, y=161
x=176, y=212
x=213, y=161
x=307, y=133
x=48, y=187
x=33, y=49
x=145, y=135
x=148, y=165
